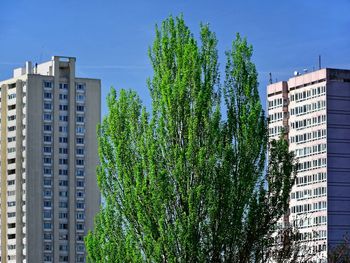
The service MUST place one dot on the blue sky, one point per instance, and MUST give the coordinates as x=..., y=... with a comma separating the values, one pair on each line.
x=110, y=38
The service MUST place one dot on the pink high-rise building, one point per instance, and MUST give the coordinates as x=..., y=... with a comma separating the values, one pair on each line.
x=313, y=110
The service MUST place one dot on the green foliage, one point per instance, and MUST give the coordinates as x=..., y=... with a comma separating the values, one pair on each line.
x=184, y=183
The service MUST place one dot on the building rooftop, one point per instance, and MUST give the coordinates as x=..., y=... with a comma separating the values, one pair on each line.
x=309, y=78
x=46, y=68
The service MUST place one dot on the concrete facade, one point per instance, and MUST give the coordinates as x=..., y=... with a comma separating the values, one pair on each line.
x=49, y=192
x=313, y=110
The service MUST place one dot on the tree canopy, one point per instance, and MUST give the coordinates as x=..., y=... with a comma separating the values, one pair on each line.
x=187, y=181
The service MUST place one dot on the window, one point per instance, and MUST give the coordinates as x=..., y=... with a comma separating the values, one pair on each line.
x=47, y=225
x=12, y=96
x=63, y=161
x=47, y=193
x=47, y=127
x=80, y=258
x=47, y=182
x=11, y=139
x=63, y=236
x=63, y=205
x=11, y=118
x=11, y=247
x=63, y=118
x=63, y=215
x=80, y=129
x=63, y=193
x=80, y=183
x=80, y=247
x=12, y=160
x=12, y=107
x=308, y=108
x=63, y=86
x=47, y=149
x=47, y=246
x=11, y=193
x=63, y=96
x=80, y=205
x=309, y=136
x=80, y=215
x=47, y=203
x=63, y=107
x=80, y=194
x=12, y=86
x=320, y=220
x=80, y=140
x=47, y=95
x=63, y=183
x=63, y=128
x=80, y=97
x=11, y=214
x=80, y=118
x=80, y=172
x=314, y=164
x=12, y=128
x=11, y=150
x=63, y=139
x=47, y=84
x=277, y=130
x=63, y=150
x=310, y=150
x=47, y=160
x=275, y=117
x=63, y=248
x=47, y=106
x=80, y=151
x=309, y=122
x=47, y=117
x=63, y=172
x=47, y=214
x=63, y=226
x=10, y=182
x=80, y=226
x=47, y=171
x=11, y=236
x=304, y=95
x=47, y=236
x=79, y=162
x=275, y=103
x=80, y=108
x=9, y=204
x=63, y=259
x=80, y=87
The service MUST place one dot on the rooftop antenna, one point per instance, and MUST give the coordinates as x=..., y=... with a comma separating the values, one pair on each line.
x=270, y=80
x=319, y=61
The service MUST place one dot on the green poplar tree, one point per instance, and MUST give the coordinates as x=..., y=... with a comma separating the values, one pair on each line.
x=187, y=183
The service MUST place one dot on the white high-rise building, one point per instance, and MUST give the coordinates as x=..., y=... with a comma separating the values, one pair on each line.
x=49, y=193
x=313, y=109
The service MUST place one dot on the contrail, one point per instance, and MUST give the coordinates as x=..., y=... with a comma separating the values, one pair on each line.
x=113, y=67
